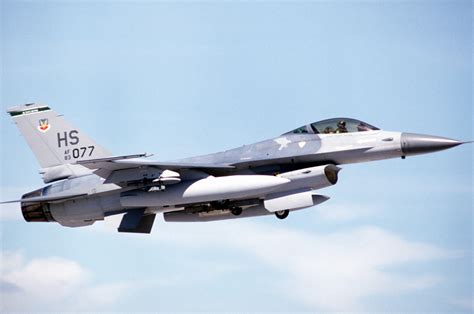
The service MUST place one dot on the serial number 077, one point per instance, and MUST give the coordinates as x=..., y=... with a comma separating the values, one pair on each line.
x=78, y=152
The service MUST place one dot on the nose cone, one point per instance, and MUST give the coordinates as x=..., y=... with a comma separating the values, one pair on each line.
x=414, y=144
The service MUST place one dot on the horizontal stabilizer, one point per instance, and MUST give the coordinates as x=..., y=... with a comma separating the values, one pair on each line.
x=47, y=198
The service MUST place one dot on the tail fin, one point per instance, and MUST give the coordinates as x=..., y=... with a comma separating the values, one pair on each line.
x=52, y=139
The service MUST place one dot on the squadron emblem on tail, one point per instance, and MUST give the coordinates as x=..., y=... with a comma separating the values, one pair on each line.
x=44, y=125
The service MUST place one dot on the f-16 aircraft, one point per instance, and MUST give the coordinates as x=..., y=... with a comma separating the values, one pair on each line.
x=273, y=177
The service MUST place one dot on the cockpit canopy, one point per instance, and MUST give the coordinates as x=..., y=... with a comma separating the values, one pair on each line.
x=333, y=126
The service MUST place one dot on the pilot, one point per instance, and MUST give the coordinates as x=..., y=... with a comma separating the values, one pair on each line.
x=341, y=127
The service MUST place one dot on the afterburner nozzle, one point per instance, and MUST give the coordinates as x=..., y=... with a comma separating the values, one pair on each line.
x=414, y=144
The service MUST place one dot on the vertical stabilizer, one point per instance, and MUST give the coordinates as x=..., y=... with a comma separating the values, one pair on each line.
x=52, y=139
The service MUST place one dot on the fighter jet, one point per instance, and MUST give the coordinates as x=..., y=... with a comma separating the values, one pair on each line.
x=86, y=183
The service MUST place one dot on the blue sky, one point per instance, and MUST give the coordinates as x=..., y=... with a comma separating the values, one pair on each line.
x=187, y=78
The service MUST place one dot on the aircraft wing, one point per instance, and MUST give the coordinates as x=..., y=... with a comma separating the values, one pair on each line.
x=173, y=166
x=134, y=168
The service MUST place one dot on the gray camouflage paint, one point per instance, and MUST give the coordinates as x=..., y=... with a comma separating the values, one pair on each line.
x=63, y=152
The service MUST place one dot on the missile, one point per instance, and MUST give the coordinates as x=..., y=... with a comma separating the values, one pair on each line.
x=205, y=190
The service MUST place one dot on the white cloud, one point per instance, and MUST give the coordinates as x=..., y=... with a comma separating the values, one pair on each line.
x=59, y=285
x=48, y=274
x=51, y=284
x=335, y=271
x=332, y=271
x=94, y=297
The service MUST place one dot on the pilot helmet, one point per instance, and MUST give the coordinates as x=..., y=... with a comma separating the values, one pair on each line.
x=341, y=123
